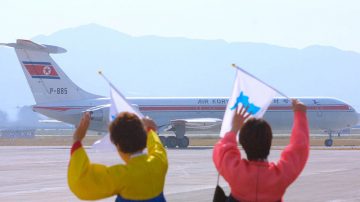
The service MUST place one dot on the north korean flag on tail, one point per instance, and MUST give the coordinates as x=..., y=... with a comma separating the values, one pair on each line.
x=41, y=70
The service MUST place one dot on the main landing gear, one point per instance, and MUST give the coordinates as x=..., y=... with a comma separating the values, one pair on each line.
x=179, y=140
x=173, y=142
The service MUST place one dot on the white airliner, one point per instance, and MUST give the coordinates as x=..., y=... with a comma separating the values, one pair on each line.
x=58, y=97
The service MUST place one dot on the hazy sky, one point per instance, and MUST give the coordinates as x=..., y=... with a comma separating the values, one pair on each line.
x=290, y=23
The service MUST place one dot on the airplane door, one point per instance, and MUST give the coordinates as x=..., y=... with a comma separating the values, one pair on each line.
x=319, y=114
x=198, y=110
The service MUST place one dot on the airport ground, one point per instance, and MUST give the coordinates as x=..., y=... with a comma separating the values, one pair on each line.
x=36, y=171
x=65, y=139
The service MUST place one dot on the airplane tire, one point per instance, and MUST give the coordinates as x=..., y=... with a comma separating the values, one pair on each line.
x=328, y=142
x=183, y=142
x=171, y=142
x=163, y=140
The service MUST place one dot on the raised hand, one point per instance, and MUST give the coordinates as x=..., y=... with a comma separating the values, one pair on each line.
x=239, y=118
x=82, y=128
x=149, y=124
x=298, y=106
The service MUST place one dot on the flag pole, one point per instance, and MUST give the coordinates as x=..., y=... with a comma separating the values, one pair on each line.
x=122, y=96
x=240, y=69
x=107, y=80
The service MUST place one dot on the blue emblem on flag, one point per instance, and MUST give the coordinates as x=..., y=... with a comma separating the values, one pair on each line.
x=244, y=100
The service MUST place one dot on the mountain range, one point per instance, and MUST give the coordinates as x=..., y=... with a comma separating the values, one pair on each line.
x=152, y=66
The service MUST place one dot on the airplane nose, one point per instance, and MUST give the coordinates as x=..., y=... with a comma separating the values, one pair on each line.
x=353, y=118
x=356, y=116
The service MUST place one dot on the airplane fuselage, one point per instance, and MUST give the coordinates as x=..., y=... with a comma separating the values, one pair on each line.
x=324, y=114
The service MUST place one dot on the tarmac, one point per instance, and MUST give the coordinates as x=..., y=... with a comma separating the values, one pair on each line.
x=38, y=173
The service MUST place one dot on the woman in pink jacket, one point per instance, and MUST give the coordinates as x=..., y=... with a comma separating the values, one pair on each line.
x=254, y=178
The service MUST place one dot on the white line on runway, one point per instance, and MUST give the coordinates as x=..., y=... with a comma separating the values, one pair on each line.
x=14, y=193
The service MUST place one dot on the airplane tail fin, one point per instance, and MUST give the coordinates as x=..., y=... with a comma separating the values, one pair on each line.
x=47, y=81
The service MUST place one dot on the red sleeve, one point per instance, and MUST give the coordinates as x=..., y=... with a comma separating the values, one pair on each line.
x=148, y=129
x=227, y=157
x=295, y=155
x=75, y=146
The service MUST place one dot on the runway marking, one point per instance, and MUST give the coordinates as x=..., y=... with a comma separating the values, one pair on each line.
x=193, y=189
x=326, y=171
x=14, y=193
x=345, y=200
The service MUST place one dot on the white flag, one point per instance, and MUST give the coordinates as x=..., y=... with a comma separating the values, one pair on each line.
x=118, y=104
x=249, y=92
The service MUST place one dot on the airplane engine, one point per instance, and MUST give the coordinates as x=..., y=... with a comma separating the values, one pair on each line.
x=97, y=115
x=99, y=118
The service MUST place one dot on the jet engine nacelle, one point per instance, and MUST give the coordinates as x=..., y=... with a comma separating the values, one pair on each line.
x=100, y=113
x=97, y=115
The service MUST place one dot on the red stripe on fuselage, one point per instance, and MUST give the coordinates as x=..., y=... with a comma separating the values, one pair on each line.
x=58, y=108
x=222, y=108
x=206, y=108
x=319, y=107
x=181, y=108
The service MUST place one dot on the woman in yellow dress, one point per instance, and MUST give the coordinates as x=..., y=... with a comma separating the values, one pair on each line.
x=141, y=178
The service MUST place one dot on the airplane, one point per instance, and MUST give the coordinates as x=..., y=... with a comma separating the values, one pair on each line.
x=58, y=97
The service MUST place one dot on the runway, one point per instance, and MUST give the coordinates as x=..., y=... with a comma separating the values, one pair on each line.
x=39, y=174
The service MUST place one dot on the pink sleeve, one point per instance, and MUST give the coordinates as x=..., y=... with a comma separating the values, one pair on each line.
x=295, y=155
x=226, y=156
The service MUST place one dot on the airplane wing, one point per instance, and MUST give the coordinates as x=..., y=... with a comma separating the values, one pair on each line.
x=197, y=123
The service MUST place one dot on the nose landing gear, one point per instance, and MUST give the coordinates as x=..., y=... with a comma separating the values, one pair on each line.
x=329, y=142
